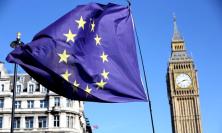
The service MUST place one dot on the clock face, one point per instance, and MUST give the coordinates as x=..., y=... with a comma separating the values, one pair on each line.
x=183, y=80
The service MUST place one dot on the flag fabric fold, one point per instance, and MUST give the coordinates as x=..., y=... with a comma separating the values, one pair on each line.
x=89, y=54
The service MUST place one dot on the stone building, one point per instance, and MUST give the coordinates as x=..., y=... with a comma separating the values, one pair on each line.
x=183, y=89
x=36, y=108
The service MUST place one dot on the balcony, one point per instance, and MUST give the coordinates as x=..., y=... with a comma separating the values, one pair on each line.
x=56, y=109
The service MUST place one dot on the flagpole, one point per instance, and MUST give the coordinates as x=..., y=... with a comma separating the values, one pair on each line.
x=143, y=68
x=14, y=44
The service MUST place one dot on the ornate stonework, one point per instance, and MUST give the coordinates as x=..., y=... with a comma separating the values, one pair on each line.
x=183, y=90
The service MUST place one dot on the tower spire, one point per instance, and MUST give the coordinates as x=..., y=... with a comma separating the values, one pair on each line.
x=176, y=33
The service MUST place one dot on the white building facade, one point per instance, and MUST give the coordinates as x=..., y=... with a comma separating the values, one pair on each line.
x=37, y=109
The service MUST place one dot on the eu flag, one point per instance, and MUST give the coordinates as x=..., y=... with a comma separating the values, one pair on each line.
x=89, y=54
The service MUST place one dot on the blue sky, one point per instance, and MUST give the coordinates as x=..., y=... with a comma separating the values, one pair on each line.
x=200, y=23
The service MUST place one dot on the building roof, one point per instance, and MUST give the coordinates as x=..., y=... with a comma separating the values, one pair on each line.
x=181, y=54
x=176, y=34
x=24, y=79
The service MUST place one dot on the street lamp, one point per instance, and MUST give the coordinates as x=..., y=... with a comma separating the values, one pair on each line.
x=15, y=44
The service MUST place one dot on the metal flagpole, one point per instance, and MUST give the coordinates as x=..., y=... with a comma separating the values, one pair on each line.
x=144, y=72
x=14, y=44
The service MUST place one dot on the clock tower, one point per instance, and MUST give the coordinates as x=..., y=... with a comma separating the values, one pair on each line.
x=183, y=90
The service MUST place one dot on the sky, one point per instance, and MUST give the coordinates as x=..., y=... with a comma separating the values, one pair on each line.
x=200, y=23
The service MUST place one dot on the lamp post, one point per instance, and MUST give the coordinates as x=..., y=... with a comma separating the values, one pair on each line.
x=15, y=44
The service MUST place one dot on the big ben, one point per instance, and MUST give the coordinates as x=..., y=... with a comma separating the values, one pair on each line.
x=182, y=86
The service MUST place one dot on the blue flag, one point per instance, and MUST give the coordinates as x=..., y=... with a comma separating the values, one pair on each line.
x=89, y=54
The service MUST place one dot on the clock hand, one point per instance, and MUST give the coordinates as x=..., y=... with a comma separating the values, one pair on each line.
x=182, y=81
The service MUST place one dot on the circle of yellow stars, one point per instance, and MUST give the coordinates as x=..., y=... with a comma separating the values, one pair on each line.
x=64, y=56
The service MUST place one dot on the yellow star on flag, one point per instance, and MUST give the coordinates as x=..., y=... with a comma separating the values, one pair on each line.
x=76, y=84
x=101, y=84
x=81, y=23
x=92, y=26
x=104, y=57
x=63, y=57
x=105, y=74
x=97, y=39
x=70, y=36
x=66, y=75
x=88, y=90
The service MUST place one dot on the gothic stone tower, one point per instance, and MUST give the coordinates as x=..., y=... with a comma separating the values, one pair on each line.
x=183, y=92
